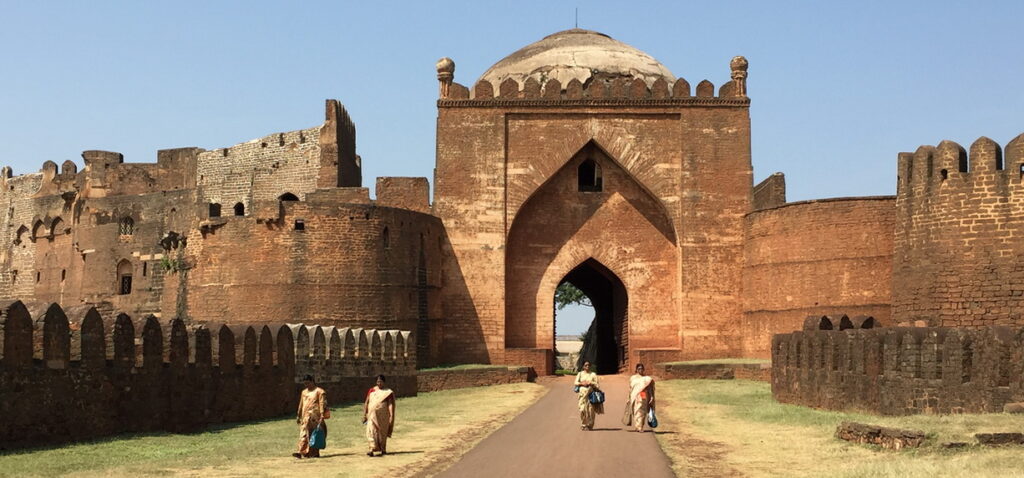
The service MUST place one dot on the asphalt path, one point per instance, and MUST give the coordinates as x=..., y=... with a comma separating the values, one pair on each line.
x=546, y=441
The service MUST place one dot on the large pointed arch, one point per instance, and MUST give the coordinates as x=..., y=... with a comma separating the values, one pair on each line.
x=622, y=229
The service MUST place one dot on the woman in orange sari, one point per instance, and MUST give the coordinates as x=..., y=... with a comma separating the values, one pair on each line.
x=641, y=398
x=379, y=416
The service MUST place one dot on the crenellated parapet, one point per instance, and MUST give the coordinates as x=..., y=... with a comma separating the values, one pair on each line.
x=959, y=218
x=107, y=373
x=596, y=91
x=948, y=169
x=900, y=371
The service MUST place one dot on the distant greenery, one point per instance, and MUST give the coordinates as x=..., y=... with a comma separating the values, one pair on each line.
x=563, y=371
x=568, y=294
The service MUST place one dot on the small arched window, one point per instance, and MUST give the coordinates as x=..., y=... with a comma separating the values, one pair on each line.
x=126, y=227
x=20, y=235
x=287, y=197
x=589, y=176
x=214, y=209
x=239, y=209
x=124, y=277
x=56, y=226
x=37, y=229
x=385, y=238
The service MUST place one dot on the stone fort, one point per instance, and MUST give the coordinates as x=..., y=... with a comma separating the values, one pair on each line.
x=577, y=158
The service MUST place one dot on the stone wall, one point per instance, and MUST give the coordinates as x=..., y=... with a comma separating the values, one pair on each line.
x=959, y=221
x=77, y=374
x=814, y=258
x=900, y=371
x=435, y=380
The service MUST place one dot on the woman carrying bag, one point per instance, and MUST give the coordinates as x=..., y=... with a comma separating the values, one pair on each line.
x=590, y=397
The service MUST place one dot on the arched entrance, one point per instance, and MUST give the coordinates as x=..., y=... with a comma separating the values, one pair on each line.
x=594, y=225
x=606, y=343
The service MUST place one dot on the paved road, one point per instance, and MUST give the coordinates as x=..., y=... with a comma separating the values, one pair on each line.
x=546, y=441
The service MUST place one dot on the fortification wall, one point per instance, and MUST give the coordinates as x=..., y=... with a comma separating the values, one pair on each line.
x=813, y=258
x=316, y=261
x=960, y=218
x=100, y=375
x=900, y=371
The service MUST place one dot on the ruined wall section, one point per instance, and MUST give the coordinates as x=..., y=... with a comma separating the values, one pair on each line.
x=100, y=376
x=316, y=261
x=18, y=252
x=770, y=193
x=960, y=219
x=814, y=258
x=404, y=193
x=259, y=170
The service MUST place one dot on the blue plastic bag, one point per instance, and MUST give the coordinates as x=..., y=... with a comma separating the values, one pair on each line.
x=652, y=421
x=576, y=389
x=318, y=438
x=596, y=397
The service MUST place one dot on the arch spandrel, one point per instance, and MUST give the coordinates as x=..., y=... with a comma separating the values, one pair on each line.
x=645, y=145
x=622, y=227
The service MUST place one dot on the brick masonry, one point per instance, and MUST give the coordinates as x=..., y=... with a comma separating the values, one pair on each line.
x=815, y=258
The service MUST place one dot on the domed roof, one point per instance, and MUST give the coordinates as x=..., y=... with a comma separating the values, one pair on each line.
x=580, y=54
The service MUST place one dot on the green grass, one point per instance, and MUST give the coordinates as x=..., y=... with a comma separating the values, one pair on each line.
x=563, y=371
x=463, y=366
x=722, y=361
x=762, y=437
x=262, y=448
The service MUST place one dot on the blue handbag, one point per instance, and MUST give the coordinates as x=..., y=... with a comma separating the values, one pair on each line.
x=318, y=438
x=652, y=421
x=596, y=397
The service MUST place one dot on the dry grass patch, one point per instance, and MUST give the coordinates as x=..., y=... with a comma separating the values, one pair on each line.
x=432, y=431
x=755, y=436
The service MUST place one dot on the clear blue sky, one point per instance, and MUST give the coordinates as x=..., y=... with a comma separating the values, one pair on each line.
x=837, y=88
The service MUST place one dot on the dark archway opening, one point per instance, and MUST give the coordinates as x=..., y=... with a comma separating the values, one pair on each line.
x=606, y=342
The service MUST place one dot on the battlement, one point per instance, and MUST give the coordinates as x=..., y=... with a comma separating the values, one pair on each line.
x=108, y=374
x=595, y=92
x=900, y=371
x=949, y=168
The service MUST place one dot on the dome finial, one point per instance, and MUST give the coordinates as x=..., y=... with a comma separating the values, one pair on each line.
x=739, y=66
x=445, y=74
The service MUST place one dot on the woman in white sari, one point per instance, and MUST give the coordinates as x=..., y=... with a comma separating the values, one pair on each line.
x=641, y=399
x=587, y=382
x=379, y=416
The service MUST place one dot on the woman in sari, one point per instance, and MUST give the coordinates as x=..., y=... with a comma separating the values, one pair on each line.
x=379, y=416
x=641, y=398
x=587, y=382
x=310, y=415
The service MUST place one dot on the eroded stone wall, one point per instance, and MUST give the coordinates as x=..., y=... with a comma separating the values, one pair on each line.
x=900, y=371
x=78, y=374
